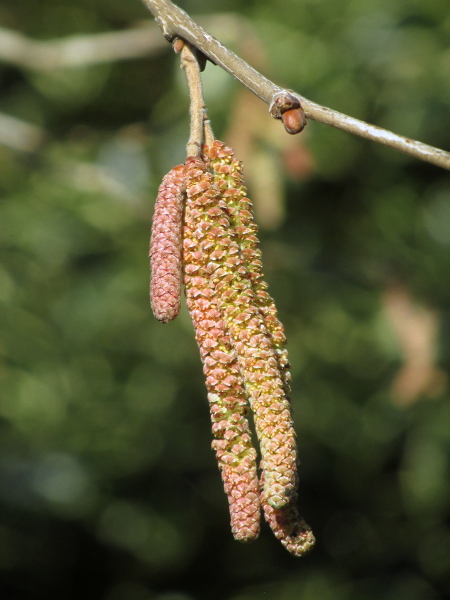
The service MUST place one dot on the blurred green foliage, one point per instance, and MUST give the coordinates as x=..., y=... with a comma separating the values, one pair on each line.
x=108, y=487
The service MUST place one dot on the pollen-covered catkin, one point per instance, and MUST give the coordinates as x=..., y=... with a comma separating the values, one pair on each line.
x=166, y=247
x=228, y=176
x=216, y=259
x=227, y=399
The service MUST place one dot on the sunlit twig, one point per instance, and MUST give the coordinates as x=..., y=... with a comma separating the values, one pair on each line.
x=174, y=22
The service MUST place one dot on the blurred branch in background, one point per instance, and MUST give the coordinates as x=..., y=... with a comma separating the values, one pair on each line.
x=84, y=50
x=81, y=50
x=20, y=135
x=416, y=328
x=78, y=50
x=174, y=22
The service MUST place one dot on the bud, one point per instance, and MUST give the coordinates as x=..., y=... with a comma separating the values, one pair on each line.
x=178, y=45
x=286, y=106
x=294, y=120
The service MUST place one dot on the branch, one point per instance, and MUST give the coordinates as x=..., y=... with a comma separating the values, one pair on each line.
x=20, y=135
x=174, y=22
x=81, y=50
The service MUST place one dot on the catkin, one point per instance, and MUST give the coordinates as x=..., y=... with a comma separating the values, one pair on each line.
x=227, y=400
x=166, y=247
x=228, y=176
x=216, y=258
x=215, y=250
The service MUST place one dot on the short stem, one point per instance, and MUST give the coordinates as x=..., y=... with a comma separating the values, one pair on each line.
x=209, y=135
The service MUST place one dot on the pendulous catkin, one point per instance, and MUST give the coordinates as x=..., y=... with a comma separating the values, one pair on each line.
x=212, y=243
x=216, y=258
x=166, y=247
x=228, y=403
x=228, y=176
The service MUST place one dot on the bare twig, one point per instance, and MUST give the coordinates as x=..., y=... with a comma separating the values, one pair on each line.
x=174, y=22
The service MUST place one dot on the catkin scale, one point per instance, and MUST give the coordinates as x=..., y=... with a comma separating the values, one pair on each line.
x=166, y=247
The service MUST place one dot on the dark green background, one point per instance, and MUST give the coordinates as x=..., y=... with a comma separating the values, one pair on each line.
x=108, y=486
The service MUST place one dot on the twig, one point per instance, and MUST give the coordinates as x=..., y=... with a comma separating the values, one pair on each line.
x=174, y=22
x=207, y=131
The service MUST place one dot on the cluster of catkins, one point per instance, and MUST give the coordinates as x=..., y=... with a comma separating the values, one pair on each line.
x=204, y=235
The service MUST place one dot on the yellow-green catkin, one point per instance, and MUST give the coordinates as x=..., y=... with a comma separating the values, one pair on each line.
x=223, y=268
x=289, y=527
x=228, y=176
x=226, y=395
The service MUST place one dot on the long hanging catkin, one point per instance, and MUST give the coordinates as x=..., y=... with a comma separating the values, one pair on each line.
x=221, y=266
x=228, y=176
x=228, y=403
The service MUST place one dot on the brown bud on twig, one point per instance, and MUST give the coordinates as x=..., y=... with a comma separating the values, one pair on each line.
x=294, y=120
x=166, y=247
x=178, y=45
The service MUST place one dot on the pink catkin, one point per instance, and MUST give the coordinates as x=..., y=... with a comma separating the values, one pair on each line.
x=166, y=247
